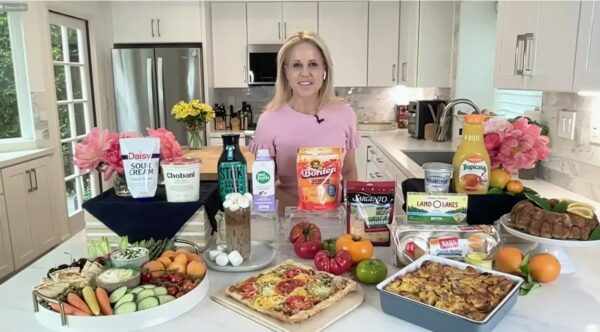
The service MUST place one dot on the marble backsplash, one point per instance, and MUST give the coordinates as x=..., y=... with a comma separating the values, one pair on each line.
x=370, y=104
x=573, y=164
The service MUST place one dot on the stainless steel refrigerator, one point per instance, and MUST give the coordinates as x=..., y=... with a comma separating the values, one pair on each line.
x=149, y=81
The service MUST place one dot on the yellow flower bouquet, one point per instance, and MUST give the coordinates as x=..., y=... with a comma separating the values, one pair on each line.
x=194, y=113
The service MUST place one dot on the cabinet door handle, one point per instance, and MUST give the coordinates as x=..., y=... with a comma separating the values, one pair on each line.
x=30, y=189
x=404, y=75
x=528, y=54
x=379, y=160
x=152, y=27
x=35, y=186
x=245, y=75
x=284, y=30
x=158, y=26
x=518, y=55
x=279, y=30
x=394, y=72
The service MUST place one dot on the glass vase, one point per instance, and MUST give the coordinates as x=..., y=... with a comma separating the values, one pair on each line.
x=120, y=185
x=195, y=137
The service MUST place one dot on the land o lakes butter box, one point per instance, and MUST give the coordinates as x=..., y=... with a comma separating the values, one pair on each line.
x=436, y=208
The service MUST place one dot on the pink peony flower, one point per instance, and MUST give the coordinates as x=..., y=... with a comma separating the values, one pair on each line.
x=169, y=147
x=89, y=153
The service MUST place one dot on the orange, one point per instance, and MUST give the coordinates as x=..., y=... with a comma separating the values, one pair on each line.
x=177, y=266
x=544, y=267
x=181, y=258
x=514, y=186
x=499, y=178
x=508, y=260
x=155, y=267
x=196, y=269
x=166, y=261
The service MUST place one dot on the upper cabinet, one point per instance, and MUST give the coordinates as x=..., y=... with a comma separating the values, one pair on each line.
x=273, y=22
x=587, y=64
x=229, y=45
x=156, y=22
x=344, y=26
x=384, y=20
x=426, y=39
x=535, y=44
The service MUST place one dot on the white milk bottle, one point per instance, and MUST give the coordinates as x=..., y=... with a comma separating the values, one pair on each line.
x=263, y=182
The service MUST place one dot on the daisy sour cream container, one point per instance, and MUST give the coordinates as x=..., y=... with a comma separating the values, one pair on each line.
x=182, y=179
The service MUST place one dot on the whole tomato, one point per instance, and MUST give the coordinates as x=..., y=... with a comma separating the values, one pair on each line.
x=308, y=249
x=359, y=249
x=305, y=231
x=336, y=262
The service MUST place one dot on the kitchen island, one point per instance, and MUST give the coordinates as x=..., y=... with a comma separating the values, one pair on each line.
x=571, y=303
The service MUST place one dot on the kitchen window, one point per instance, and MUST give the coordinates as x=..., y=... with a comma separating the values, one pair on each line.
x=16, y=120
x=68, y=37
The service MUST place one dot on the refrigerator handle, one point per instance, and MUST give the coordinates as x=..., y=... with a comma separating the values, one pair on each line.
x=161, y=97
x=149, y=87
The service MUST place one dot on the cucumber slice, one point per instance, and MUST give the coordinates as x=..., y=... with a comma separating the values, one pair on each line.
x=147, y=303
x=129, y=297
x=144, y=294
x=149, y=286
x=136, y=290
x=117, y=294
x=165, y=298
x=126, y=308
x=160, y=291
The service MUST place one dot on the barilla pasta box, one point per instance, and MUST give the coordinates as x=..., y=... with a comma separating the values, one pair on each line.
x=442, y=208
x=263, y=182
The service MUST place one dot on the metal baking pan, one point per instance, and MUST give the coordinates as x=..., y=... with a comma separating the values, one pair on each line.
x=436, y=319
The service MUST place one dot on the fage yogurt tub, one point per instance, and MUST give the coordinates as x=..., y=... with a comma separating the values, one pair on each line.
x=182, y=179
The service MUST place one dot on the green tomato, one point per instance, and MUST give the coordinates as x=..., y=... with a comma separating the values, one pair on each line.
x=371, y=271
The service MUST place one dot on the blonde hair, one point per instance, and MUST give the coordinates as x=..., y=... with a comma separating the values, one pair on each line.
x=283, y=91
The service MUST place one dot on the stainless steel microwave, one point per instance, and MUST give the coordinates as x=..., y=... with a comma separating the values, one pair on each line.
x=262, y=64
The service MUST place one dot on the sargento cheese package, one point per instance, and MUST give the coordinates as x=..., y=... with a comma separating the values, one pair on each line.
x=370, y=210
x=319, y=172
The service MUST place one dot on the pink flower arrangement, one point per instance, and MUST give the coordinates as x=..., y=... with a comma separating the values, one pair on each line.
x=513, y=146
x=101, y=150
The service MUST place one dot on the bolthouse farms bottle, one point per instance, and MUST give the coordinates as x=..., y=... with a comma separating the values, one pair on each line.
x=232, y=167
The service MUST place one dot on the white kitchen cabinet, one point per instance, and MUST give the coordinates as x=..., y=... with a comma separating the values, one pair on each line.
x=6, y=255
x=29, y=209
x=535, y=45
x=360, y=155
x=273, y=22
x=384, y=20
x=156, y=22
x=344, y=27
x=587, y=63
x=426, y=39
x=229, y=45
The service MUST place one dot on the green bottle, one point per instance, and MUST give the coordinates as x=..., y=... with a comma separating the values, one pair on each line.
x=232, y=167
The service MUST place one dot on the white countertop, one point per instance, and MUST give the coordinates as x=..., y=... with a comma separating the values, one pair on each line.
x=15, y=157
x=393, y=143
x=571, y=303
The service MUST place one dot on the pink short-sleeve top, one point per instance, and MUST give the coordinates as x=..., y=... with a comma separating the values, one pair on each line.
x=284, y=130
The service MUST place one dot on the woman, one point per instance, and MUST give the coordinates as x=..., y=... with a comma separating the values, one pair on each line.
x=304, y=113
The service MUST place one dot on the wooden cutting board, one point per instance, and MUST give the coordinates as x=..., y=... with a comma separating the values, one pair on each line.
x=315, y=323
x=209, y=156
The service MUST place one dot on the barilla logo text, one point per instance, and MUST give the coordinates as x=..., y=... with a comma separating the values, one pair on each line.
x=313, y=173
x=181, y=175
x=369, y=199
x=139, y=156
x=448, y=243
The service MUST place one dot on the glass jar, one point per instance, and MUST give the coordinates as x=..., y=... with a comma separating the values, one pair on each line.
x=120, y=185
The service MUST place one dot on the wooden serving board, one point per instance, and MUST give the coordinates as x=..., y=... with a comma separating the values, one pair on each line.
x=315, y=323
x=209, y=156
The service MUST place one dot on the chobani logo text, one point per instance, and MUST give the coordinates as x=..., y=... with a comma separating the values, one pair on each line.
x=181, y=175
x=312, y=173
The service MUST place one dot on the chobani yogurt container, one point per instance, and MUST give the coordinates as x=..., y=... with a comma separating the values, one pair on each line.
x=182, y=179
x=437, y=177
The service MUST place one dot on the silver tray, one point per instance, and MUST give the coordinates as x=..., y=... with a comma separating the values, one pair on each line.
x=261, y=255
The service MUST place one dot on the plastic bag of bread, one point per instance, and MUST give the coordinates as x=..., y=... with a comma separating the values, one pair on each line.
x=370, y=210
x=319, y=172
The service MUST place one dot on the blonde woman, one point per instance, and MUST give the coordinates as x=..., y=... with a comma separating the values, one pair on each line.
x=304, y=113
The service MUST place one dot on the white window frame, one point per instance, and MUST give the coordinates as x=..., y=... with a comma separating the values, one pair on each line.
x=17, y=45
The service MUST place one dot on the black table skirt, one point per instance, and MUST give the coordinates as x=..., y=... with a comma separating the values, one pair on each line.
x=151, y=217
x=482, y=209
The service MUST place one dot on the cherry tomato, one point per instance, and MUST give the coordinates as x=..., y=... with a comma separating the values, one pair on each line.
x=146, y=278
x=172, y=290
x=188, y=285
x=176, y=278
x=298, y=302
